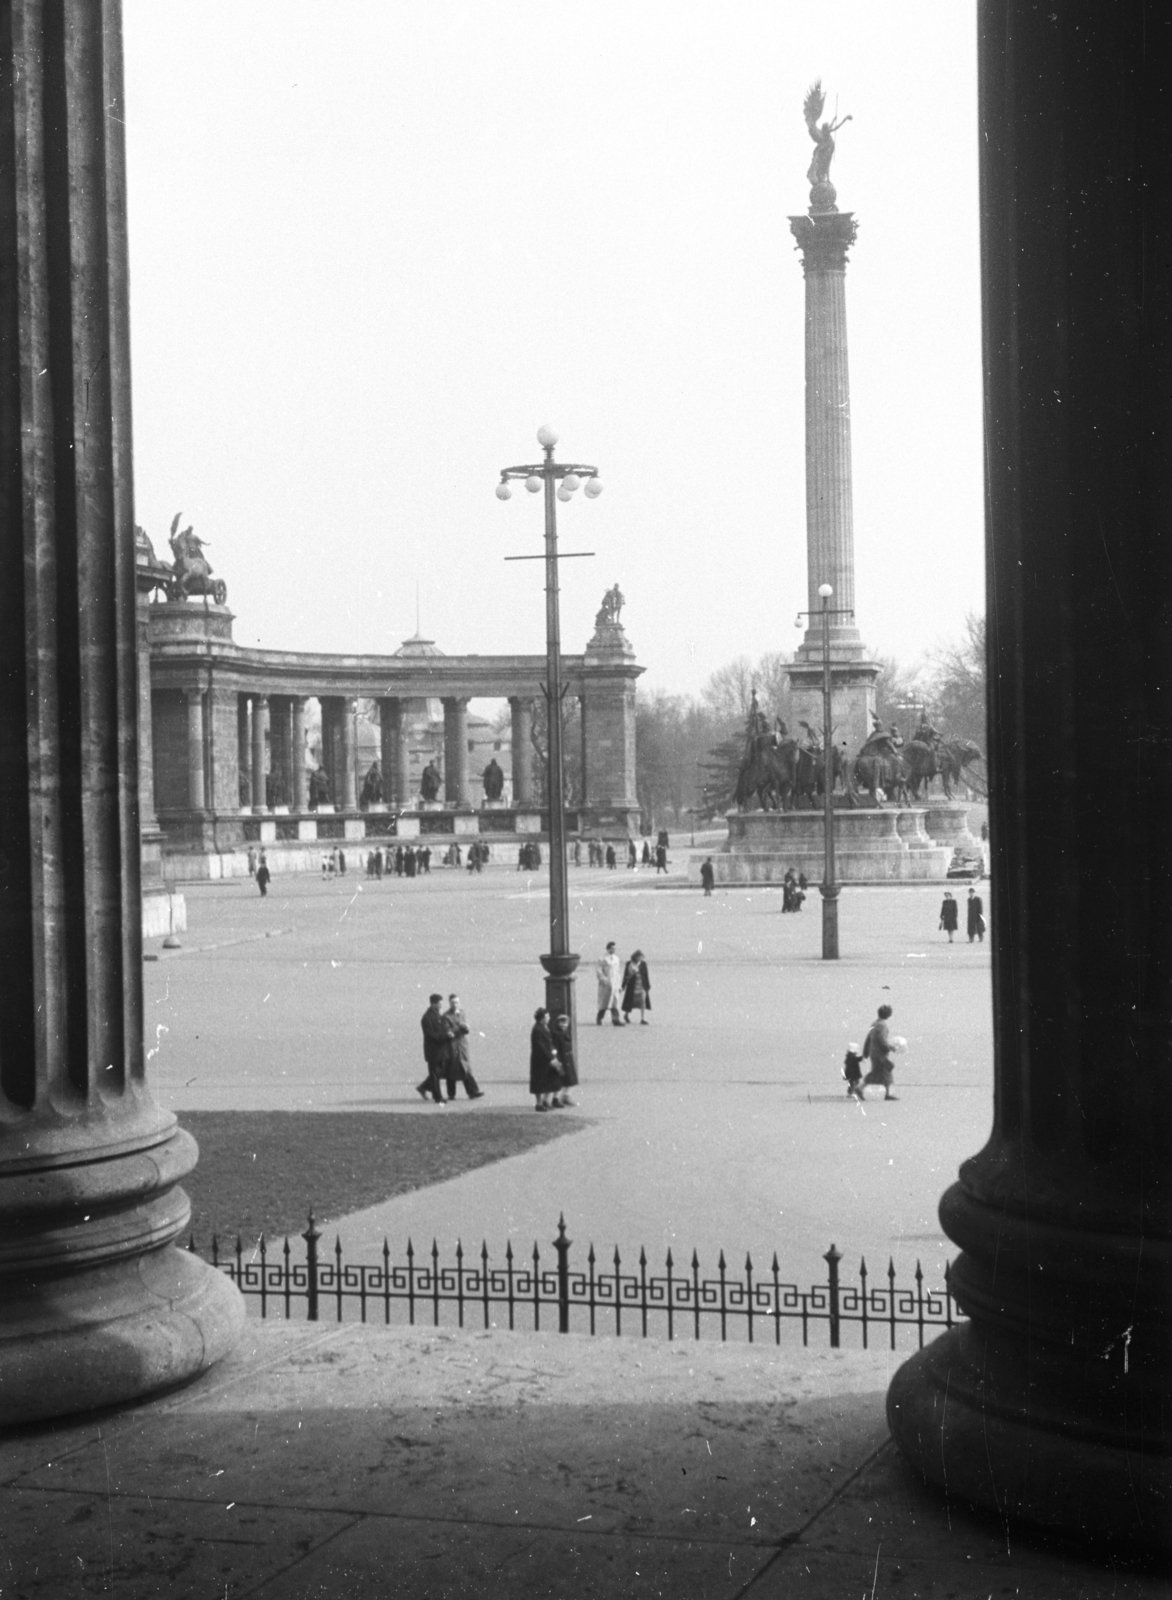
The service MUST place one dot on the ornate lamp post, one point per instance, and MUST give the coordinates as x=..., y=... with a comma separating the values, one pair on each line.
x=559, y=481
x=828, y=888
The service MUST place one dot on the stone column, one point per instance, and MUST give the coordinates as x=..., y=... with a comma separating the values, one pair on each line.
x=243, y=796
x=260, y=723
x=349, y=794
x=455, y=751
x=394, y=723
x=98, y=1305
x=1052, y=1405
x=300, y=789
x=522, y=715
x=196, y=786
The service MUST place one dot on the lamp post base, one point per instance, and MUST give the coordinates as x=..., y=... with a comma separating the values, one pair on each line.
x=829, y=893
x=559, y=990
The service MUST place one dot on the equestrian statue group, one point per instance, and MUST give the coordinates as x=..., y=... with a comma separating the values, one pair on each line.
x=191, y=571
x=782, y=773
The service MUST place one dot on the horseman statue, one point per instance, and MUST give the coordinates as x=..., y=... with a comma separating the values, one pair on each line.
x=193, y=570
x=905, y=771
x=778, y=772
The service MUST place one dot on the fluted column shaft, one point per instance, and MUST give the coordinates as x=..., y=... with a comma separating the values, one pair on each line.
x=830, y=539
x=97, y=1305
x=300, y=782
x=260, y=723
x=1054, y=1403
x=196, y=783
x=522, y=754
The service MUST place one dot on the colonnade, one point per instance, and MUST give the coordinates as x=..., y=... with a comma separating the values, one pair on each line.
x=271, y=733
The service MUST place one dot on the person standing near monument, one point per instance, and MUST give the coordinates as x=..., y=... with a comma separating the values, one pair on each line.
x=544, y=1075
x=563, y=1043
x=976, y=916
x=608, y=973
x=707, y=876
x=263, y=875
x=948, y=915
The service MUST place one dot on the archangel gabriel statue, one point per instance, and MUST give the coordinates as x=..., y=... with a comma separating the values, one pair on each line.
x=822, y=191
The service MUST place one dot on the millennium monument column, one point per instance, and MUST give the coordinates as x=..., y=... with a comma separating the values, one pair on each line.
x=98, y=1306
x=824, y=235
x=1052, y=1404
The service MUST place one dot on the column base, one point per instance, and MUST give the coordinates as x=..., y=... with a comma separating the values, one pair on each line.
x=970, y=1415
x=112, y=1334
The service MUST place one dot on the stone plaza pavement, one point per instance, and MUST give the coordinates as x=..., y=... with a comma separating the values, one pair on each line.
x=324, y=1463
x=321, y=1460
x=722, y=1125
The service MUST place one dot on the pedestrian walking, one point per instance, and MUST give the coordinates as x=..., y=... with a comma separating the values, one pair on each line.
x=660, y=859
x=544, y=1076
x=458, y=1066
x=611, y=859
x=325, y=863
x=976, y=916
x=342, y=863
x=609, y=975
x=878, y=1049
x=251, y=862
x=436, y=1038
x=707, y=876
x=948, y=915
x=563, y=1044
x=647, y=852
x=379, y=863
x=852, y=1070
x=636, y=988
x=632, y=855
x=409, y=862
x=263, y=875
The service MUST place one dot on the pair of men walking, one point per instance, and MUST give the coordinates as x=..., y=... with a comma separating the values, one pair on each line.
x=445, y=1050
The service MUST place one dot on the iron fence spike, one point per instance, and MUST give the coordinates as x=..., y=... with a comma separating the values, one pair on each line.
x=890, y=1267
x=775, y=1268
x=720, y=1263
x=919, y=1273
x=410, y=1250
x=670, y=1263
x=748, y=1262
x=484, y=1250
x=509, y=1251
x=617, y=1260
x=695, y=1261
x=591, y=1256
x=459, y=1250
x=642, y=1256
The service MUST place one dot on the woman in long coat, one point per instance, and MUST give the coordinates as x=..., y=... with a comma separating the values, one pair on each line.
x=636, y=988
x=948, y=916
x=544, y=1078
x=563, y=1043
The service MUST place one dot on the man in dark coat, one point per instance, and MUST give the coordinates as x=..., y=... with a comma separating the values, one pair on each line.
x=563, y=1043
x=545, y=1079
x=708, y=875
x=976, y=911
x=437, y=1036
x=262, y=876
x=458, y=1061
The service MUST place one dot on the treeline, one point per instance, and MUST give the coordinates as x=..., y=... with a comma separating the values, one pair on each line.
x=688, y=748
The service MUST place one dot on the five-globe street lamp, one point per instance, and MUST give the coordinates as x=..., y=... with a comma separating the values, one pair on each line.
x=558, y=481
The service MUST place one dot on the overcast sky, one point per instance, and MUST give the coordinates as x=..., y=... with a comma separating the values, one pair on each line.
x=374, y=245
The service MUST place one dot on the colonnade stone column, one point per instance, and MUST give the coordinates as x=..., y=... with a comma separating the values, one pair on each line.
x=98, y=1305
x=522, y=746
x=349, y=794
x=394, y=751
x=260, y=722
x=455, y=751
x=1053, y=1403
x=196, y=783
x=300, y=790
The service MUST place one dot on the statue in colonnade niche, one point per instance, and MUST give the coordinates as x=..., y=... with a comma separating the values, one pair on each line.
x=193, y=570
x=493, y=779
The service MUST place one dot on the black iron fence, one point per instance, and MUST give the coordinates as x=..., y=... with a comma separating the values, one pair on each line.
x=594, y=1298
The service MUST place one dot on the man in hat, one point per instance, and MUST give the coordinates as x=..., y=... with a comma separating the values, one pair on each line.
x=976, y=916
x=458, y=1064
x=437, y=1036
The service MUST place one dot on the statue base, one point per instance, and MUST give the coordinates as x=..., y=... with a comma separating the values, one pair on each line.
x=871, y=846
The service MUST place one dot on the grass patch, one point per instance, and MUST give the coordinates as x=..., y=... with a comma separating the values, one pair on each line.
x=262, y=1171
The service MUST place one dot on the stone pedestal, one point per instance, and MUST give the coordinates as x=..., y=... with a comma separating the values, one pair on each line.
x=947, y=822
x=99, y=1307
x=1053, y=1403
x=885, y=846
x=610, y=803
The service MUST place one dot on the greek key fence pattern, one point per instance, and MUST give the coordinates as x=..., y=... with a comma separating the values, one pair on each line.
x=594, y=1298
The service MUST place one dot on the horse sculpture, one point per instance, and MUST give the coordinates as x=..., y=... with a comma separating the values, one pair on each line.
x=945, y=759
x=880, y=765
x=192, y=571
x=955, y=756
x=780, y=774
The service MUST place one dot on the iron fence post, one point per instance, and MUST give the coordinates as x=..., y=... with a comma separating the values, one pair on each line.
x=311, y=1236
x=832, y=1257
x=562, y=1245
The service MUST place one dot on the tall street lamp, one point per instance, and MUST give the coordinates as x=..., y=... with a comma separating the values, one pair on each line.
x=559, y=481
x=828, y=888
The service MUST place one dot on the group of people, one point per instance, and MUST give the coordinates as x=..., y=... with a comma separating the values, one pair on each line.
x=879, y=1049
x=529, y=856
x=552, y=1072
x=630, y=983
x=793, y=890
x=404, y=861
x=975, y=916
x=446, y=1052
